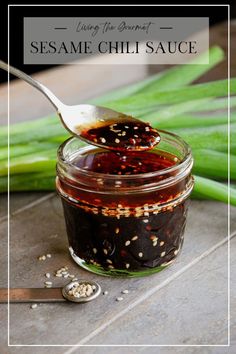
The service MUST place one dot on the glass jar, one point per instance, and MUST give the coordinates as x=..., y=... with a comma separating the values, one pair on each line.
x=119, y=223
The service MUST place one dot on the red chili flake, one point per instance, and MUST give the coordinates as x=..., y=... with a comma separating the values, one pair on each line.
x=153, y=237
x=123, y=253
x=148, y=227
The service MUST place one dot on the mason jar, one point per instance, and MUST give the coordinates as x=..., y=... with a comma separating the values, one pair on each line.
x=125, y=214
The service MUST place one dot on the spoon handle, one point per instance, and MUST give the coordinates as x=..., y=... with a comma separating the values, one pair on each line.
x=20, y=74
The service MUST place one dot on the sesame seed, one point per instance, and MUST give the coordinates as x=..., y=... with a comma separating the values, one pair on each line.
x=117, y=141
x=154, y=244
x=127, y=265
x=59, y=275
x=119, y=299
x=110, y=266
x=147, y=129
x=135, y=128
x=48, y=283
x=103, y=140
x=94, y=250
x=95, y=140
x=176, y=252
x=140, y=254
x=109, y=261
x=105, y=251
x=153, y=238
x=136, y=136
x=42, y=258
x=123, y=133
x=125, y=291
x=127, y=243
x=71, y=276
x=162, y=254
x=162, y=243
x=175, y=159
x=47, y=275
x=126, y=127
x=49, y=255
x=33, y=306
x=145, y=220
x=146, y=213
x=105, y=292
x=134, y=238
x=117, y=230
x=74, y=279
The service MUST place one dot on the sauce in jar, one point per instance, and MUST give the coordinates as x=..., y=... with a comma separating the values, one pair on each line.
x=125, y=212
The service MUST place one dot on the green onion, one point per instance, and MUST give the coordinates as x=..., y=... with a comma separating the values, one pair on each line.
x=205, y=188
x=213, y=164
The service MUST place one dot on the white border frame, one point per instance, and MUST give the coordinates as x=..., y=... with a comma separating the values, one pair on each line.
x=74, y=346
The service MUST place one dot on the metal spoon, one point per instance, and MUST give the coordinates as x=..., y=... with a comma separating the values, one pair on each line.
x=35, y=295
x=82, y=119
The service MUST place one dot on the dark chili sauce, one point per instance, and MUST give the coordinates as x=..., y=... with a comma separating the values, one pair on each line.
x=122, y=230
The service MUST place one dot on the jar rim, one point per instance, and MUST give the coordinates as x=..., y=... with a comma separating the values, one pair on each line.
x=184, y=162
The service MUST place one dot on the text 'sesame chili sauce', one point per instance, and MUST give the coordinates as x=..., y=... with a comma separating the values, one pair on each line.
x=125, y=212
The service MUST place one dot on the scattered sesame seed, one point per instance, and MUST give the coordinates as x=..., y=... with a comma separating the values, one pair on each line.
x=127, y=265
x=95, y=250
x=117, y=230
x=105, y=251
x=33, y=306
x=136, y=136
x=117, y=141
x=71, y=276
x=59, y=275
x=103, y=140
x=126, y=127
x=135, y=128
x=74, y=279
x=42, y=258
x=48, y=283
x=134, y=238
x=140, y=254
x=47, y=275
x=162, y=254
x=147, y=129
x=109, y=261
x=175, y=159
x=145, y=220
x=49, y=255
x=110, y=266
x=154, y=244
x=95, y=140
x=176, y=252
x=105, y=292
x=125, y=291
x=146, y=213
x=162, y=243
x=119, y=299
x=127, y=243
